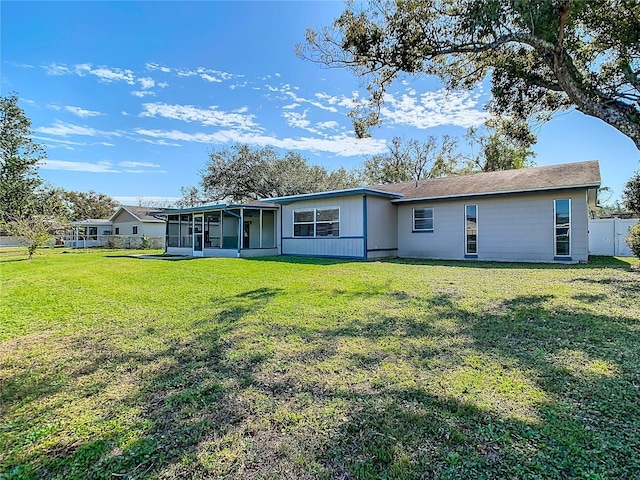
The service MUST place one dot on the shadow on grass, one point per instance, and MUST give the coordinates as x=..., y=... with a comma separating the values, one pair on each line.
x=225, y=401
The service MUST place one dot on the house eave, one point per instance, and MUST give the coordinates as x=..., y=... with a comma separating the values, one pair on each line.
x=332, y=193
x=493, y=194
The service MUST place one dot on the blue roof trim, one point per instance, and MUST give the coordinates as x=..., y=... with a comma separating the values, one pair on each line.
x=332, y=193
x=209, y=208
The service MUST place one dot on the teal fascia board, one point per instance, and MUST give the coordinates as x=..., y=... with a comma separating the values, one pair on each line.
x=333, y=193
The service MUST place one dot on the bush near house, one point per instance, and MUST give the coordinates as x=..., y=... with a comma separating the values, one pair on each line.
x=117, y=367
x=633, y=239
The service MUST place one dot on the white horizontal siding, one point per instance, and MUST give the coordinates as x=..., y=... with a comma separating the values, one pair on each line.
x=510, y=228
x=324, y=247
x=351, y=240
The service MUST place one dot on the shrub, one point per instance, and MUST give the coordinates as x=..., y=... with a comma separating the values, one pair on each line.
x=633, y=239
x=145, y=243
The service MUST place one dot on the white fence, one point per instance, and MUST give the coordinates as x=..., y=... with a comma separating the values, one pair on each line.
x=606, y=236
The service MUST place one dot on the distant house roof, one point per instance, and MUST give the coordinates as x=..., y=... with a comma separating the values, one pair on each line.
x=144, y=214
x=334, y=193
x=91, y=221
x=553, y=177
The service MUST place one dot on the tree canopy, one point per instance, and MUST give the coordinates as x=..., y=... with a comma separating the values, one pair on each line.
x=409, y=160
x=243, y=173
x=88, y=205
x=503, y=144
x=631, y=194
x=19, y=158
x=542, y=55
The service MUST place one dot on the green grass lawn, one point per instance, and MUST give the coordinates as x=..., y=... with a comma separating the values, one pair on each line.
x=116, y=367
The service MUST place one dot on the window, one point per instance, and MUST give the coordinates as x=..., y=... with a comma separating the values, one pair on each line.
x=471, y=230
x=117, y=230
x=316, y=222
x=562, y=213
x=423, y=219
x=303, y=224
x=328, y=222
x=135, y=229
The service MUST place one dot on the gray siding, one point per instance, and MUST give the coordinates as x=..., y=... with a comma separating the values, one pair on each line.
x=510, y=228
x=351, y=240
x=382, y=227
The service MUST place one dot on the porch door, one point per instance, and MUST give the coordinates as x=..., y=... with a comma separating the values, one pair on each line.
x=246, y=242
x=198, y=235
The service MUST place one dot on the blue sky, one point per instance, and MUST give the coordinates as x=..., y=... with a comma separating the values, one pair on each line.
x=129, y=97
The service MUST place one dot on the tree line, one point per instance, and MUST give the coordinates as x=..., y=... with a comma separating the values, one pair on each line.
x=242, y=173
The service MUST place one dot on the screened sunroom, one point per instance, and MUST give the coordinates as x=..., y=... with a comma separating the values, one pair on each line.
x=222, y=231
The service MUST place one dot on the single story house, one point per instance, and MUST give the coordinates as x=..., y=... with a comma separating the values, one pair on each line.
x=130, y=220
x=125, y=228
x=537, y=214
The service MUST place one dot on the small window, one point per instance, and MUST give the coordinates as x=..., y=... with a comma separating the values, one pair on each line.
x=423, y=219
x=135, y=229
x=562, y=212
x=328, y=222
x=471, y=229
x=117, y=230
x=316, y=222
x=303, y=223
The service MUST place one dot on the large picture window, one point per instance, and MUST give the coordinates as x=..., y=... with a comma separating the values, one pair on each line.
x=316, y=222
x=423, y=219
x=471, y=229
x=562, y=214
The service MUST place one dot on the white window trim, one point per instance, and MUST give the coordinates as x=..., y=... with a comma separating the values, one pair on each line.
x=314, y=223
x=136, y=228
x=433, y=220
x=466, y=232
x=555, y=226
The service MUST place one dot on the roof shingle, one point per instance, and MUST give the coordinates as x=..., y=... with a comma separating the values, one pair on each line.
x=553, y=177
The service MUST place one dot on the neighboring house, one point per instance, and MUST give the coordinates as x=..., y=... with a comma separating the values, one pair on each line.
x=137, y=221
x=534, y=214
x=88, y=233
x=124, y=229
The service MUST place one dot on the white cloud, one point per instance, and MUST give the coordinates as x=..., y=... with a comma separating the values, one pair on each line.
x=138, y=164
x=155, y=66
x=341, y=145
x=55, y=69
x=99, y=167
x=298, y=120
x=142, y=93
x=163, y=85
x=62, y=129
x=146, y=82
x=329, y=125
x=432, y=109
x=106, y=74
x=163, y=143
x=210, y=116
x=210, y=78
x=81, y=112
x=290, y=106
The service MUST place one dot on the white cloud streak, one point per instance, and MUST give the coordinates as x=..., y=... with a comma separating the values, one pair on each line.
x=62, y=129
x=99, y=167
x=189, y=113
x=81, y=112
x=433, y=109
x=340, y=145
